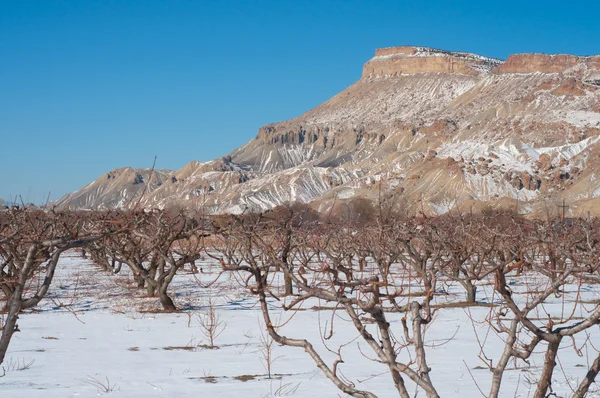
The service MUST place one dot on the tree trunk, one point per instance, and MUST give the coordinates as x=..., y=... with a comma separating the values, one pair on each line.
x=498, y=371
x=43, y=288
x=166, y=301
x=588, y=380
x=471, y=292
x=16, y=302
x=289, y=291
x=417, y=321
x=361, y=264
x=390, y=352
x=289, y=288
x=150, y=289
x=14, y=307
x=163, y=283
x=549, y=363
x=7, y=293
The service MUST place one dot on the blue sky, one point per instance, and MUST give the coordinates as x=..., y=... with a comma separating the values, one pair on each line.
x=88, y=86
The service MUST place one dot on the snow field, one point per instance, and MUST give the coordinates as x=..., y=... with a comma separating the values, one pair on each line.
x=92, y=328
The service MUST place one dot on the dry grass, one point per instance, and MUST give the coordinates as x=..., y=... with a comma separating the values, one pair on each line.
x=208, y=347
x=245, y=378
x=208, y=379
x=174, y=347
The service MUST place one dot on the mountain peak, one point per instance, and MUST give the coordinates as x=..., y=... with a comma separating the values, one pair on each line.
x=440, y=129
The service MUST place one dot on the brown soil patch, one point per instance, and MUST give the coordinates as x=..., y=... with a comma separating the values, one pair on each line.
x=245, y=378
x=571, y=86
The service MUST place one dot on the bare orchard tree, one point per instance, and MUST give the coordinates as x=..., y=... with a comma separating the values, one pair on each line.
x=30, y=247
x=519, y=320
x=100, y=253
x=128, y=248
x=323, y=270
x=420, y=245
x=155, y=246
x=466, y=244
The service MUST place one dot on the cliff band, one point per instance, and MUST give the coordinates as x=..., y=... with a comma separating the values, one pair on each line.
x=432, y=130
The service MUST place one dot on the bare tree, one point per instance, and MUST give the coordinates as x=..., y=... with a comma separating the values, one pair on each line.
x=211, y=324
x=323, y=270
x=155, y=246
x=518, y=317
x=29, y=240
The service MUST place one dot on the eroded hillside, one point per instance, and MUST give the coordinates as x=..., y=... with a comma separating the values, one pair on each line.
x=432, y=129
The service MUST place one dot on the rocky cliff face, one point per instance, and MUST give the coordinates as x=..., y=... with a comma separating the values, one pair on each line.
x=544, y=63
x=407, y=60
x=432, y=129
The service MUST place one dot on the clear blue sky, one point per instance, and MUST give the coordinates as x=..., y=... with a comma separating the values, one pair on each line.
x=88, y=86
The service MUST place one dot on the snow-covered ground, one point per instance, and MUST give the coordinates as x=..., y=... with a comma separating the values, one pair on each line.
x=92, y=330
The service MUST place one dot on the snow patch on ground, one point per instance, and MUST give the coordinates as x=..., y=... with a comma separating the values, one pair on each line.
x=579, y=118
x=512, y=154
x=345, y=193
x=488, y=188
x=571, y=150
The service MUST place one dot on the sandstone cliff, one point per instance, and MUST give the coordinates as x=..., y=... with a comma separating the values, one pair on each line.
x=432, y=129
x=407, y=60
x=544, y=63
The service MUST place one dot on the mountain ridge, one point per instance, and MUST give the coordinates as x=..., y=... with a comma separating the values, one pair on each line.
x=439, y=129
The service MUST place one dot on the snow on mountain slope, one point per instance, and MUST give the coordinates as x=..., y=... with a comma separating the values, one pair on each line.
x=435, y=129
x=298, y=184
x=116, y=189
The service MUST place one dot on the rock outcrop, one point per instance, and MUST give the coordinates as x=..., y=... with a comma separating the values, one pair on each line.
x=407, y=60
x=434, y=130
x=545, y=63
